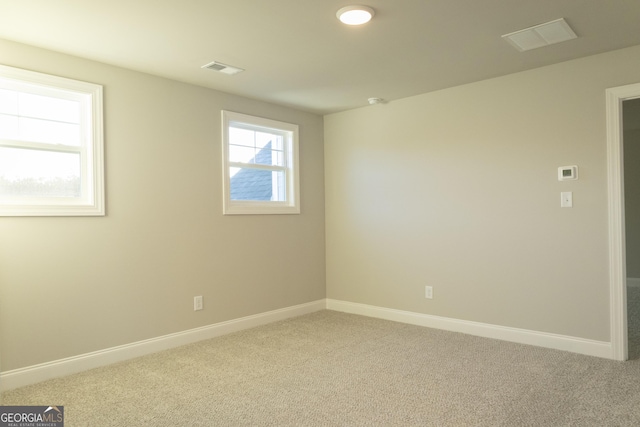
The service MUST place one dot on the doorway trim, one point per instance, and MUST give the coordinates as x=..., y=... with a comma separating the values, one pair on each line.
x=617, y=251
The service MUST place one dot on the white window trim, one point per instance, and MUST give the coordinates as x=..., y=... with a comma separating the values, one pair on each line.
x=291, y=170
x=91, y=203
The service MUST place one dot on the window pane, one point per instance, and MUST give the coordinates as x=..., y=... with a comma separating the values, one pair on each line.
x=263, y=139
x=277, y=158
x=37, y=130
x=9, y=127
x=241, y=154
x=250, y=155
x=8, y=101
x=254, y=147
x=35, y=173
x=239, y=136
x=279, y=187
x=46, y=107
x=275, y=141
x=256, y=184
x=37, y=118
x=264, y=156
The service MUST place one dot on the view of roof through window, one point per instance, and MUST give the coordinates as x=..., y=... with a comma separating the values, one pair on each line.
x=250, y=147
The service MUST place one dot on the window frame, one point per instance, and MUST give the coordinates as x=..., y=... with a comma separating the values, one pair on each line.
x=91, y=148
x=290, y=132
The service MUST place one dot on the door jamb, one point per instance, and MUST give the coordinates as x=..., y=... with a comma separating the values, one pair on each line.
x=617, y=252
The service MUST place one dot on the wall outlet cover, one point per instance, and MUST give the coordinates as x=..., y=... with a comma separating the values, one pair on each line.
x=428, y=292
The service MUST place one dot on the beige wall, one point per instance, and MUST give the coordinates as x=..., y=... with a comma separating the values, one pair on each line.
x=458, y=189
x=74, y=285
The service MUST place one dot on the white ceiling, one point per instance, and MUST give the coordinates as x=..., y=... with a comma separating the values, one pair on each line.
x=296, y=53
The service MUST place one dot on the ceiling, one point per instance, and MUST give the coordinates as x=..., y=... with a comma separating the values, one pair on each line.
x=296, y=53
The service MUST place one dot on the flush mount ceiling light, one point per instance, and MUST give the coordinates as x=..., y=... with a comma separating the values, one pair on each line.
x=355, y=15
x=222, y=68
x=541, y=35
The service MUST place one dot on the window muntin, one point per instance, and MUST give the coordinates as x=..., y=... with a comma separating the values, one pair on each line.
x=260, y=165
x=51, y=145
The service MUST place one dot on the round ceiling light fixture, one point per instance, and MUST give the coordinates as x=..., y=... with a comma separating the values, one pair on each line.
x=355, y=15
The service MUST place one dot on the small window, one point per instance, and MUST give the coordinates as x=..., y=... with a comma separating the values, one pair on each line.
x=260, y=165
x=51, y=148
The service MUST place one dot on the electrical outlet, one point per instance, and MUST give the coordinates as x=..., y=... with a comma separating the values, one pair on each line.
x=428, y=292
x=197, y=303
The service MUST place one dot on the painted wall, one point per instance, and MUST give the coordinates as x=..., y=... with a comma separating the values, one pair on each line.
x=74, y=285
x=631, y=123
x=458, y=190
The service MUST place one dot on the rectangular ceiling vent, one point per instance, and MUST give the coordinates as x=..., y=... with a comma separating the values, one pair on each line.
x=541, y=35
x=222, y=68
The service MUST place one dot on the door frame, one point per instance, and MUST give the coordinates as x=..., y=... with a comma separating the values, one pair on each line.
x=617, y=246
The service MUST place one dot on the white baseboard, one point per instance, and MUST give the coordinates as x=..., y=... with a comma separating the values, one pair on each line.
x=633, y=282
x=71, y=365
x=522, y=336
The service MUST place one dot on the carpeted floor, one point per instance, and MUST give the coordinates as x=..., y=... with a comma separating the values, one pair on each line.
x=336, y=369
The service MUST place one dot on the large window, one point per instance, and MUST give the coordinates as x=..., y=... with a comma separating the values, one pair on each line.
x=51, y=145
x=260, y=165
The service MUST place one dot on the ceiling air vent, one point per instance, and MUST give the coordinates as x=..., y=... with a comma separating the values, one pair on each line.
x=222, y=68
x=541, y=35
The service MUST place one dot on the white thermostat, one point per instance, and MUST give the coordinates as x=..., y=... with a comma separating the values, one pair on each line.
x=566, y=173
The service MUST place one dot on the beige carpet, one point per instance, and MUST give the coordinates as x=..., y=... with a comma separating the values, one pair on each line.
x=336, y=369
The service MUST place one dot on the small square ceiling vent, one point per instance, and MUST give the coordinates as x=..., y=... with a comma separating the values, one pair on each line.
x=541, y=35
x=222, y=68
